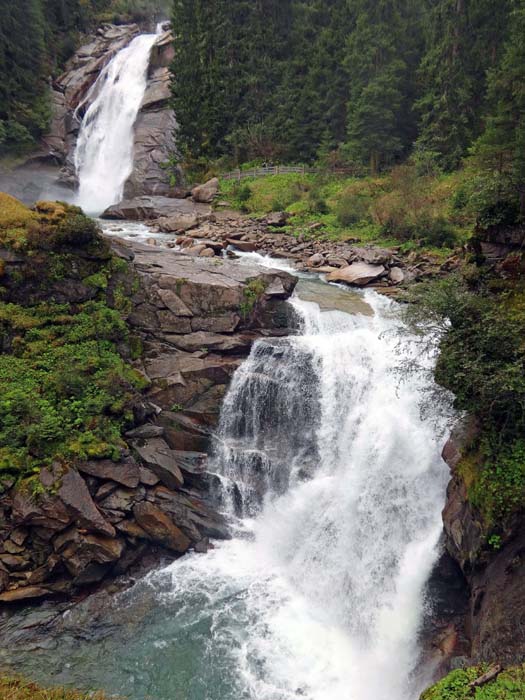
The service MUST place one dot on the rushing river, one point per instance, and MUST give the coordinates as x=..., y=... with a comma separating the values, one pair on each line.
x=334, y=485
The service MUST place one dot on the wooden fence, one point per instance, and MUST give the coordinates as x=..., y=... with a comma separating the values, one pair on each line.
x=281, y=170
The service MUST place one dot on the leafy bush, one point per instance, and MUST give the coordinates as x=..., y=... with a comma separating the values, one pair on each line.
x=66, y=392
x=509, y=685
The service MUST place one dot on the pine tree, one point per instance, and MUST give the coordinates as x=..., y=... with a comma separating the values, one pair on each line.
x=464, y=39
x=501, y=148
x=380, y=52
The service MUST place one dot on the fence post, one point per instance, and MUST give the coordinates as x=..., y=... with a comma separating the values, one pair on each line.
x=238, y=174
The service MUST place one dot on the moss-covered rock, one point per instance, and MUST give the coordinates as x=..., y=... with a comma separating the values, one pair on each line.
x=20, y=689
x=67, y=389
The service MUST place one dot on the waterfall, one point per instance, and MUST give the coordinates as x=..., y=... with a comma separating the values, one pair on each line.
x=343, y=482
x=104, y=151
x=334, y=484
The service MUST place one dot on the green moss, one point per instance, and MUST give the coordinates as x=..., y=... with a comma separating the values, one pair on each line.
x=509, y=685
x=99, y=280
x=251, y=293
x=67, y=393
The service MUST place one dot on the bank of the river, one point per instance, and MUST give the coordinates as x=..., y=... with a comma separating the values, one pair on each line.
x=114, y=362
x=15, y=688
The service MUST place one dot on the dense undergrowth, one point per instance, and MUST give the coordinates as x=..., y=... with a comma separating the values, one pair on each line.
x=509, y=685
x=401, y=207
x=67, y=391
x=481, y=359
x=20, y=689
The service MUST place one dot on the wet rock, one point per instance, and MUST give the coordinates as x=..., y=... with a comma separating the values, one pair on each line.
x=121, y=499
x=157, y=454
x=85, y=550
x=277, y=218
x=179, y=222
x=315, y=260
x=49, y=512
x=358, y=274
x=75, y=495
x=145, y=431
x=148, y=477
x=207, y=192
x=125, y=473
x=160, y=527
x=207, y=253
x=372, y=256
x=396, y=275
x=25, y=593
x=244, y=246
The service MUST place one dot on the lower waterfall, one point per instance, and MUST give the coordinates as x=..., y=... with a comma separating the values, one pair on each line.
x=334, y=485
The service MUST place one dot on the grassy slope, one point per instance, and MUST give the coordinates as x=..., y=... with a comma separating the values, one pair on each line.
x=398, y=208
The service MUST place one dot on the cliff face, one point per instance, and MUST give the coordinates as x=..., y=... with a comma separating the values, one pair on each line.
x=114, y=360
x=495, y=620
x=72, y=94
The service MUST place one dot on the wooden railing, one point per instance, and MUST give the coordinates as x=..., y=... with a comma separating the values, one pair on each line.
x=281, y=170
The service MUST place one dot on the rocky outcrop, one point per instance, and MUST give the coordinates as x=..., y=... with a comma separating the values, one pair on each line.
x=155, y=127
x=73, y=92
x=193, y=319
x=170, y=213
x=495, y=616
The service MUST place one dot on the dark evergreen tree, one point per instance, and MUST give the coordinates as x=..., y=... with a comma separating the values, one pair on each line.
x=463, y=40
x=382, y=50
x=501, y=148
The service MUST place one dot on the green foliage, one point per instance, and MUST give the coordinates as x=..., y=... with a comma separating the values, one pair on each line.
x=509, y=685
x=66, y=391
x=484, y=373
x=251, y=293
x=499, y=488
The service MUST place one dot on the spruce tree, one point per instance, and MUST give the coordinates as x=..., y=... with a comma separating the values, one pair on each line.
x=501, y=148
x=380, y=52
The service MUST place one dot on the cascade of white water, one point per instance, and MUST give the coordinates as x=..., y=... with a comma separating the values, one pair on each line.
x=104, y=151
x=334, y=485
x=338, y=484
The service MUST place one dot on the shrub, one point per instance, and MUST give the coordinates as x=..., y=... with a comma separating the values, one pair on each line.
x=508, y=685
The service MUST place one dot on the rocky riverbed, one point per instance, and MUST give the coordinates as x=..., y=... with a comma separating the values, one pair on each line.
x=190, y=224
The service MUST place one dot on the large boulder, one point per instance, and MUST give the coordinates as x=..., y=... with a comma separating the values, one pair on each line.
x=358, y=274
x=277, y=219
x=74, y=494
x=154, y=207
x=207, y=192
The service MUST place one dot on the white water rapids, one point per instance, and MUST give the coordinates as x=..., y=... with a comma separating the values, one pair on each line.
x=104, y=151
x=338, y=484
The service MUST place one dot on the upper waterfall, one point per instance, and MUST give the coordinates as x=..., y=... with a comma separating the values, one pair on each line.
x=104, y=152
